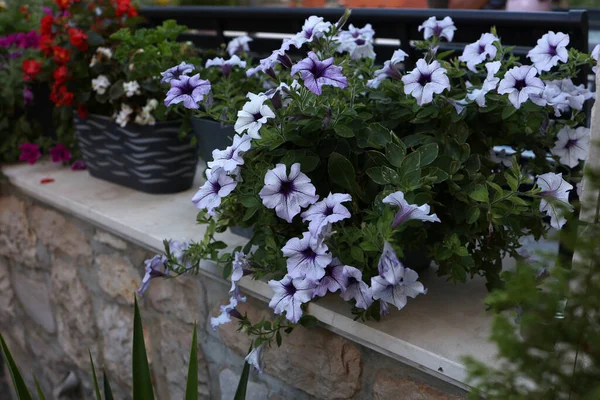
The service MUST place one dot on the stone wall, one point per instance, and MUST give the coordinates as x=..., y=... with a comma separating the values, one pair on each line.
x=67, y=287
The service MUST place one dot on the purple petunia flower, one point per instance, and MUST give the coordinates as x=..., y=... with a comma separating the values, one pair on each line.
x=554, y=96
x=306, y=258
x=439, y=28
x=551, y=48
x=317, y=73
x=314, y=27
x=398, y=284
x=326, y=211
x=153, y=270
x=227, y=311
x=407, y=211
x=357, y=42
x=189, y=90
x=238, y=45
x=356, y=288
x=425, y=80
x=178, y=251
x=476, y=53
x=253, y=115
x=520, y=83
x=290, y=294
x=27, y=96
x=572, y=145
x=217, y=186
x=555, y=197
x=389, y=69
x=59, y=153
x=255, y=357
x=175, y=73
x=226, y=65
x=239, y=267
x=287, y=194
x=230, y=158
x=333, y=280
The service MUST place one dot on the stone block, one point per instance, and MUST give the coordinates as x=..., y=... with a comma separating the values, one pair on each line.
x=110, y=240
x=182, y=296
x=228, y=382
x=118, y=278
x=8, y=303
x=116, y=326
x=34, y=296
x=388, y=386
x=17, y=240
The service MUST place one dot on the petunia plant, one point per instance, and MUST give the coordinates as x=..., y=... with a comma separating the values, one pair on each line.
x=355, y=177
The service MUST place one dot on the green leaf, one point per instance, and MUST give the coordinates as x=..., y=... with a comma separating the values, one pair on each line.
x=278, y=339
x=368, y=246
x=379, y=134
x=428, y=152
x=461, y=251
x=395, y=153
x=250, y=201
x=191, y=389
x=240, y=393
x=412, y=162
x=116, y=90
x=480, y=194
x=107, y=390
x=308, y=321
x=508, y=111
x=357, y=254
x=341, y=171
x=473, y=214
x=94, y=378
x=382, y=175
x=142, y=380
x=249, y=213
x=18, y=382
x=343, y=131
x=38, y=389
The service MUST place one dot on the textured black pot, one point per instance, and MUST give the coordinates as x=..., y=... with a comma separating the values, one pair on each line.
x=211, y=135
x=150, y=159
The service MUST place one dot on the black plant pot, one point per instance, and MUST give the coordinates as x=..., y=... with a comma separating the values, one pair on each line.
x=211, y=135
x=150, y=159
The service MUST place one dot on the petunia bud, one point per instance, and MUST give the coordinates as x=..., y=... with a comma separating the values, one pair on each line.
x=277, y=101
x=285, y=61
x=342, y=21
x=236, y=314
x=271, y=73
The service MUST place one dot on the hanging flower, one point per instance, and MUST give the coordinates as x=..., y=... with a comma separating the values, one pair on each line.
x=287, y=194
x=520, y=83
x=317, y=73
x=30, y=152
x=100, y=84
x=396, y=285
x=572, y=145
x=326, y=211
x=555, y=197
x=333, y=280
x=238, y=45
x=290, y=294
x=255, y=357
x=389, y=69
x=227, y=311
x=306, y=257
x=595, y=55
x=407, y=211
x=439, y=28
x=314, y=27
x=239, y=267
x=356, y=288
x=425, y=80
x=59, y=153
x=490, y=83
x=175, y=73
x=551, y=48
x=230, y=158
x=253, y=115
x=153, y=268
x=217, y=186
x=187, y=90
x=476, y=53
x=226, y=65
x=131, y=88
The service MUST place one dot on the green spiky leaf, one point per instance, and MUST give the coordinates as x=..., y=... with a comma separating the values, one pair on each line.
x=15, y=374
x=142, y=380
x=191, y=390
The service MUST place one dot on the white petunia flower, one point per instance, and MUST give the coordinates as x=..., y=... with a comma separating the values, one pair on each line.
x=406, y=211
x=253, y=115
x=555, y=197
x=476, y=53
x=572, y=145
x=520, y=83
x=440, y=28
x=289, y=295
x=551, y=48
x=490, y=83
x=425, y=80
x=238, y=45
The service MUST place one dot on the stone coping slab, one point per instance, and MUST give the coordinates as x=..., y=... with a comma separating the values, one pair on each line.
x=432, y=333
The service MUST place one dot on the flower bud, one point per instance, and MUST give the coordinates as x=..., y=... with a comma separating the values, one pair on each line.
x=342, y=21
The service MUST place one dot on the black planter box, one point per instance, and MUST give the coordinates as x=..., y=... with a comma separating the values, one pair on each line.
x=150, y=159
x=211, y=135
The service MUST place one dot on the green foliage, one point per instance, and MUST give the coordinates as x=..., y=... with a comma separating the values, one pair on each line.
x=18, y=382
x=191, y=389
x=142, y=380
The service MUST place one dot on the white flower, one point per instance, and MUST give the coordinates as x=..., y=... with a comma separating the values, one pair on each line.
x=551, y=48
x=306, y=257
x=555, y=197
x=357, y=42
x=100, y=84
x=595, y=56
x=572, y=145
x=231, y=158
x=238, y=45
x=389, y=69
x=253, y=115
x=151, y=104
x=476, y=53
x=520, y=83
x=227, y=311
x=131, y=88
x=489, y=84
x=314, y=27
x=123, y=116
x=290, y=294
x=425, y=80
x=226, y=65
x=105, y=52
x=440, y=28
x=145, y=118
x=217, y=186
x=406, y=211
x=255, y=357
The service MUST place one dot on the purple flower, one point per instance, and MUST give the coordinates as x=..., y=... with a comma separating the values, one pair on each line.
x=59, y=153
x=226, y=65
x=227, y=311
x=439, y=28
x=253, y=115
x=333, y=279
x=79, y=165
x=555, y=197
x=554, y=96
x=357, y=42
x=30, y=152
x=306, y=257
x=317, y=73
x=178, y=251
x=314, y=27
x=572, y=145
x=551, y=48
x=366, y=32
x=218, y=185
x=290, y=294
x=407, y=212
x=476, y=53
x=189, y=90
x=176, y=72
x=255, y=357
x=238, y=45
x=395, y=288
x=425, y=80
x=326, y=211
x=576, y=95
x=153, y=270
x=240, y=266
x=490, y=83
x=27, y=95
x=230, y=158
x=520, y=83
x=287, y=194
x=595, y=55
x=389, y=70
x=356, y=288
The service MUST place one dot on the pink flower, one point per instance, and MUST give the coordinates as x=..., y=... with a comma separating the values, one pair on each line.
x=30, y=152
x=60, y=153
x=78, y=165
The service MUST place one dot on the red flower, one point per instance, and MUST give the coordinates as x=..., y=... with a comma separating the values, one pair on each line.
x=124, y=7
x=30, y=152
x=31, y=68
x=78, y=39
x=60, y=74
x=82, y=111
x=46, y=44
x=46, y=25
x=25, y=11
x=61, y=55
x=63, y=4
x=59, y=153
x=61, y=96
